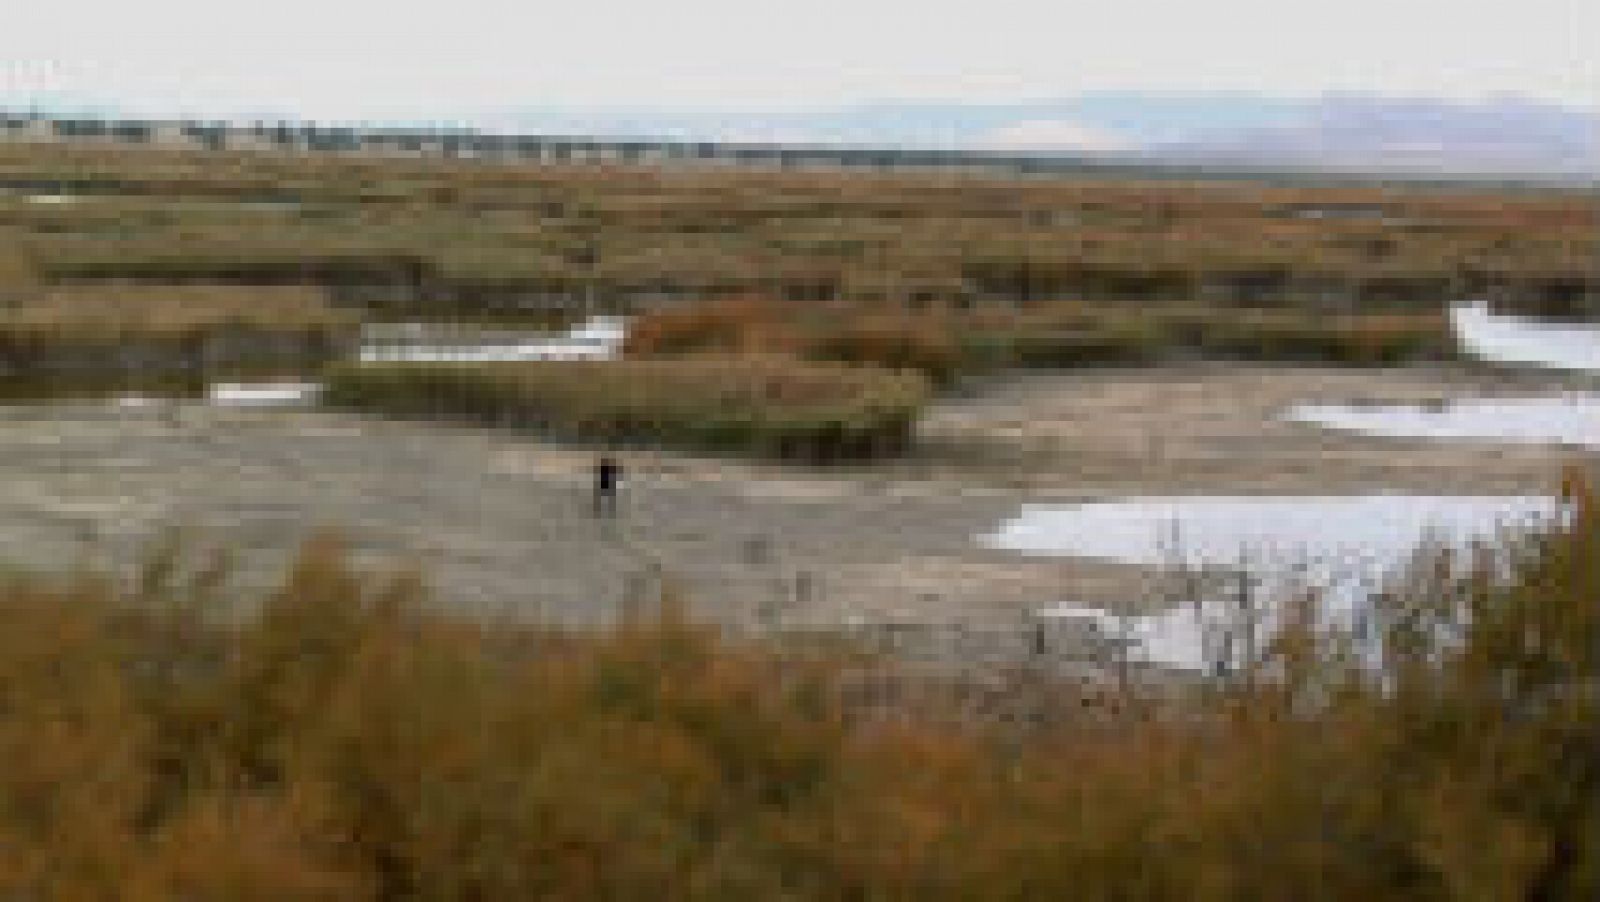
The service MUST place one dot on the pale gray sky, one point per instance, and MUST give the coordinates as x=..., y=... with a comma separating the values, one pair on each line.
x=356, y=58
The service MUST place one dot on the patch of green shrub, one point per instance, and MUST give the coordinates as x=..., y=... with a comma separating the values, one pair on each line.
x=762, y=406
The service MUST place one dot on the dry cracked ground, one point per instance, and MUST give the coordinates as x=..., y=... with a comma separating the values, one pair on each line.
x=499, y=521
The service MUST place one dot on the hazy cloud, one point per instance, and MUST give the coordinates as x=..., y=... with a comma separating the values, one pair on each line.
x=361, y=58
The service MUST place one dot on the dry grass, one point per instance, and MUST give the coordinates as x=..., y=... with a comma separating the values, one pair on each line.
x=764, y=406
x=837, y=332
x=339, y=741
x=171, y=310
x=478, y=238
x=944, y=344
x=152, y=330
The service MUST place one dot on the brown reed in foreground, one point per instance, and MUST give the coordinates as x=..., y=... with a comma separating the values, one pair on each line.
x=343, y=741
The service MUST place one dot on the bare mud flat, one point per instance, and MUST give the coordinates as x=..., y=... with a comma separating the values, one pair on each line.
x=500, y=521
x=1219, y=428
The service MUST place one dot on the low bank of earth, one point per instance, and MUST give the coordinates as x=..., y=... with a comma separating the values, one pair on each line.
x=500, y=520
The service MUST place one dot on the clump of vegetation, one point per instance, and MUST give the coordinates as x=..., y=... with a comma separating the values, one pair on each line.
x=164, y=328
x=897, y=341
x=17, y=277
x=946, y=343
x=840, y=333
x=719, y=325
x=1371, y=339
x=1075, y=334
x=340, y=739
x=761, y=406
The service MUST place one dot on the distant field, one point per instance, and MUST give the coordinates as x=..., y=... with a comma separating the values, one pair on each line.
x=400, y=237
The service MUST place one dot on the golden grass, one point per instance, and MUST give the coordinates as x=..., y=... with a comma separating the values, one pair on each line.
x=460, y=228
x=339, y=739
x=150, y=330
x=121, y=309
x=945, y=344
x=763, y=406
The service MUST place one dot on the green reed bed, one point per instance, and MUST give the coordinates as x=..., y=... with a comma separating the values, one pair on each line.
x=1373, y=339
x=755, y=406
x=1129, y=334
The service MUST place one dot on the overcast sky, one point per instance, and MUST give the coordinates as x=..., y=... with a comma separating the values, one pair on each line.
x=356, y=58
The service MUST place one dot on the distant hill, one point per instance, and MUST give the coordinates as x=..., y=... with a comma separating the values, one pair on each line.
x=1372, y=133
x=1343, y=131
x=1505, y=135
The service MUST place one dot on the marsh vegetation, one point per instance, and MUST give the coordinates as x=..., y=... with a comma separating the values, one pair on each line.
x=338, y=738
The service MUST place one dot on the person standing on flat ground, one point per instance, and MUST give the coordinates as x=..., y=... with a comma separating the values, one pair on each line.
x=607, y=475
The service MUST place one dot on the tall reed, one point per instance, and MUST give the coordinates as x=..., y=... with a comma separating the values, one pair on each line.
x=762, y=406
x=165, y=737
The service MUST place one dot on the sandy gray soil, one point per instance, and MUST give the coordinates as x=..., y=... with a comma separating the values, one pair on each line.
x=500, y=520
